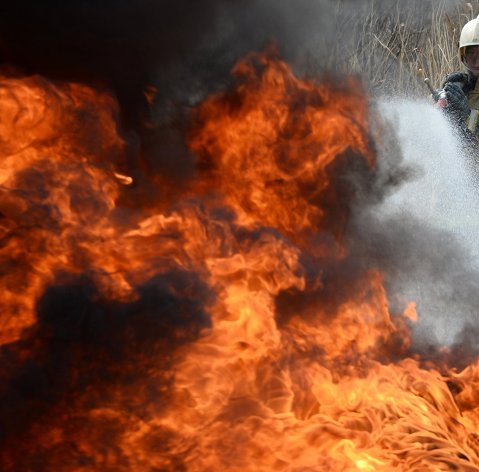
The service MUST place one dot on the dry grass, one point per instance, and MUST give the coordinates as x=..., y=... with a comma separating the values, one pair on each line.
x=390, y=46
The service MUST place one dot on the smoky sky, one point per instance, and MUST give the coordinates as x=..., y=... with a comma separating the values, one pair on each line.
x=184, y=48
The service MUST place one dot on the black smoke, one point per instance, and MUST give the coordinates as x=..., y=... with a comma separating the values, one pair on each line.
x=177, y=46
x=179, y=50
x=84, y=353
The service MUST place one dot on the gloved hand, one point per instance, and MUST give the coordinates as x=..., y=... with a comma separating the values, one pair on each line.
x=461, y=77
x=457, y=105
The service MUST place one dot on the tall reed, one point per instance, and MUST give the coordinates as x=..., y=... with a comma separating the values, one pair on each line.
x=387, y=47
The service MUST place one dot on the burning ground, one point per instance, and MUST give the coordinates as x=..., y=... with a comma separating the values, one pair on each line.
x=241, y=314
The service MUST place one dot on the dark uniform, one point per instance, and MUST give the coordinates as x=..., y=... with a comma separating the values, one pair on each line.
x=462, y=92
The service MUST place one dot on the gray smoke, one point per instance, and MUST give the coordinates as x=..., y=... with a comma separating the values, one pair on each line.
x=424, y=234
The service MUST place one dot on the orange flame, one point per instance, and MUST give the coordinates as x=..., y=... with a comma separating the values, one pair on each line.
x=53, y=185
x=238, y=334
x=272, y=141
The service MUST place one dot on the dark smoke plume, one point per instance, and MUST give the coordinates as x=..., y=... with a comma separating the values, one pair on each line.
x=162, y=58
x=178, y=51
x=175, y=45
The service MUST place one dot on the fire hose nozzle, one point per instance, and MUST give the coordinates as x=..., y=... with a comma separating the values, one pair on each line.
x=439, y=96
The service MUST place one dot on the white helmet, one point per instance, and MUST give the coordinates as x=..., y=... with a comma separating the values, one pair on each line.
x=469, y=37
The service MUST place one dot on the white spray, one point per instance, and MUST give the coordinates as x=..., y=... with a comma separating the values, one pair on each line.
x=445, y=197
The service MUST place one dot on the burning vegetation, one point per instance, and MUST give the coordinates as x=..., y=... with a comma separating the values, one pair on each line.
x=226, y=325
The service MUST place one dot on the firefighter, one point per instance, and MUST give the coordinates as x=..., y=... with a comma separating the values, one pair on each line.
x=462, y=88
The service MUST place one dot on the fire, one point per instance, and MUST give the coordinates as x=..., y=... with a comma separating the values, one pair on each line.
x=52, y=186
x=228, y=329
x=263, y=140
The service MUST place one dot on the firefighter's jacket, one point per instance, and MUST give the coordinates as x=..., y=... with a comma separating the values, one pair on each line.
x=470, y=86
x=473, y=99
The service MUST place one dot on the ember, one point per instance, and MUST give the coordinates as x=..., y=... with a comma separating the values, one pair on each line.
x=233, y=329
